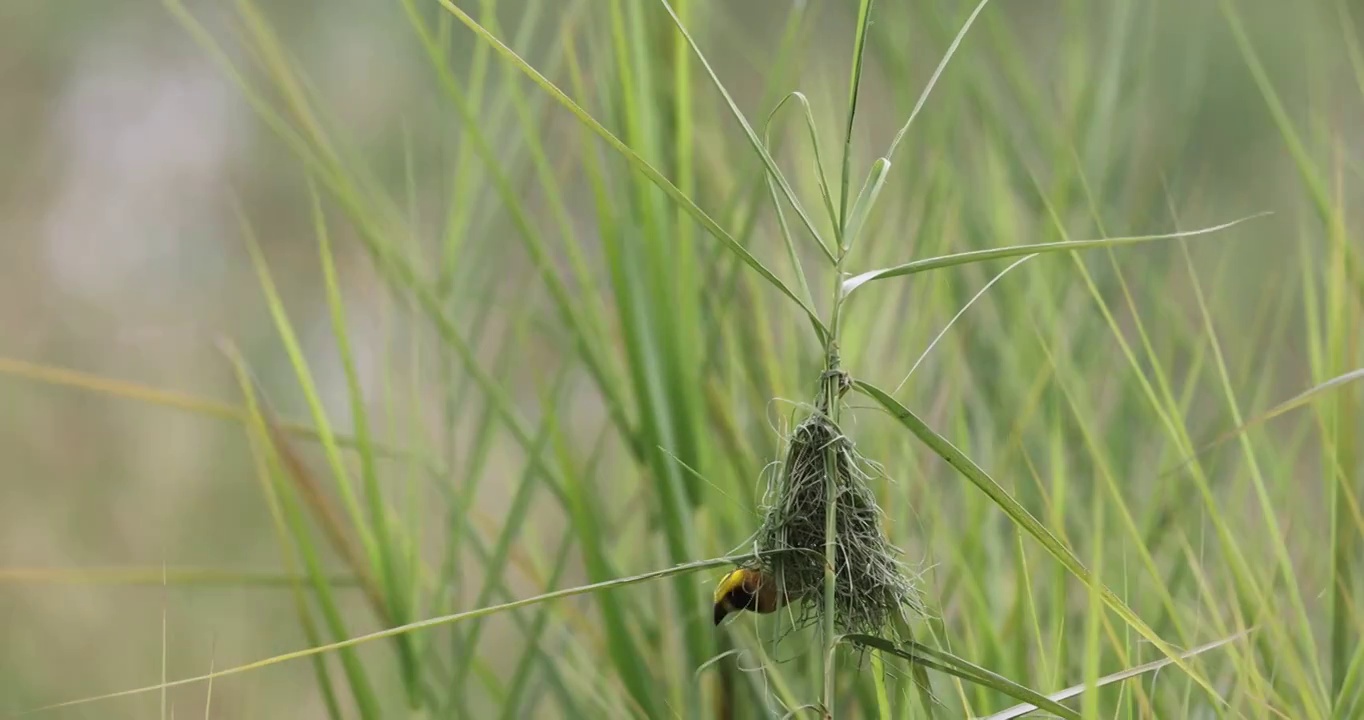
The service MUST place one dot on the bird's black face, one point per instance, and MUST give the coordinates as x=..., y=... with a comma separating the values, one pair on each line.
x=734, y=601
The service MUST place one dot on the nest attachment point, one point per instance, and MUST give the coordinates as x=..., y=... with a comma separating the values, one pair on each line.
x=871, y=585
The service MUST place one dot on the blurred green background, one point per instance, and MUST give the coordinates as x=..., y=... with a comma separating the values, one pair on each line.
x=651, y=372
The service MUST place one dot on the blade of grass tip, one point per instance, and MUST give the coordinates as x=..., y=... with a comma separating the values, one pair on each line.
x=975, y=256
x=1020, y=515
x=785, y=228
x=386, y=633
x=637, y=162
x=933, y=80
x=821, y=177
x=298, y=360
x=951, y=664
x=1018, y=711
x=956, y=317
x=866, y=199
x=854, y=85
x=752, y=136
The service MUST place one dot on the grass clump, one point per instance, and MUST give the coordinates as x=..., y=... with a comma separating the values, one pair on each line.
x=872, y=587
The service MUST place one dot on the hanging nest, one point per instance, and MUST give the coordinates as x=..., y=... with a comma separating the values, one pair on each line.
x=872, y=586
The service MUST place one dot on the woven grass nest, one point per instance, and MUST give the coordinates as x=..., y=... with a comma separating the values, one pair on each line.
x=872, y=587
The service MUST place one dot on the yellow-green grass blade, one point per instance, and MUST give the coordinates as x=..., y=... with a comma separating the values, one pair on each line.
x=290, y=522
x=1018, y=711
x=388, y=633
x=186, y=402
x=865, y=201
x=793, y=255
x=189, y=577
x=299, y=362
x=587, y=514
x=975, y=256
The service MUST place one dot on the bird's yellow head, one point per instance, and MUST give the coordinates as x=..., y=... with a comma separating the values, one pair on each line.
x=746, y=589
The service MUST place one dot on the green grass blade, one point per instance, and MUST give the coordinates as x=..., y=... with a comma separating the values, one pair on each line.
x=637, y=162
x=949, y=663
x=933, y=81
x=854, y=86
x=397, y=603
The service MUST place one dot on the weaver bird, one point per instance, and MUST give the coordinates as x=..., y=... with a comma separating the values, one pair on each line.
x=747, y=589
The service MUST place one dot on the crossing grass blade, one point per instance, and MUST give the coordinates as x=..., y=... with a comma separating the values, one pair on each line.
x=1020, y=710
x=637, y=162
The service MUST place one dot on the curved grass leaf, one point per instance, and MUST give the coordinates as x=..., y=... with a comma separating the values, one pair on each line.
x=1020, y=515
x=752, y=136
x=975, y=256
x=821, y=178
x=946, y=662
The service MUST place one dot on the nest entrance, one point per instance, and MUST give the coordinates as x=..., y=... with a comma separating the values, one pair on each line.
x=871, y=585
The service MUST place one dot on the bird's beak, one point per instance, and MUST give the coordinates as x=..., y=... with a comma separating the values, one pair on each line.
x=720, y=612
